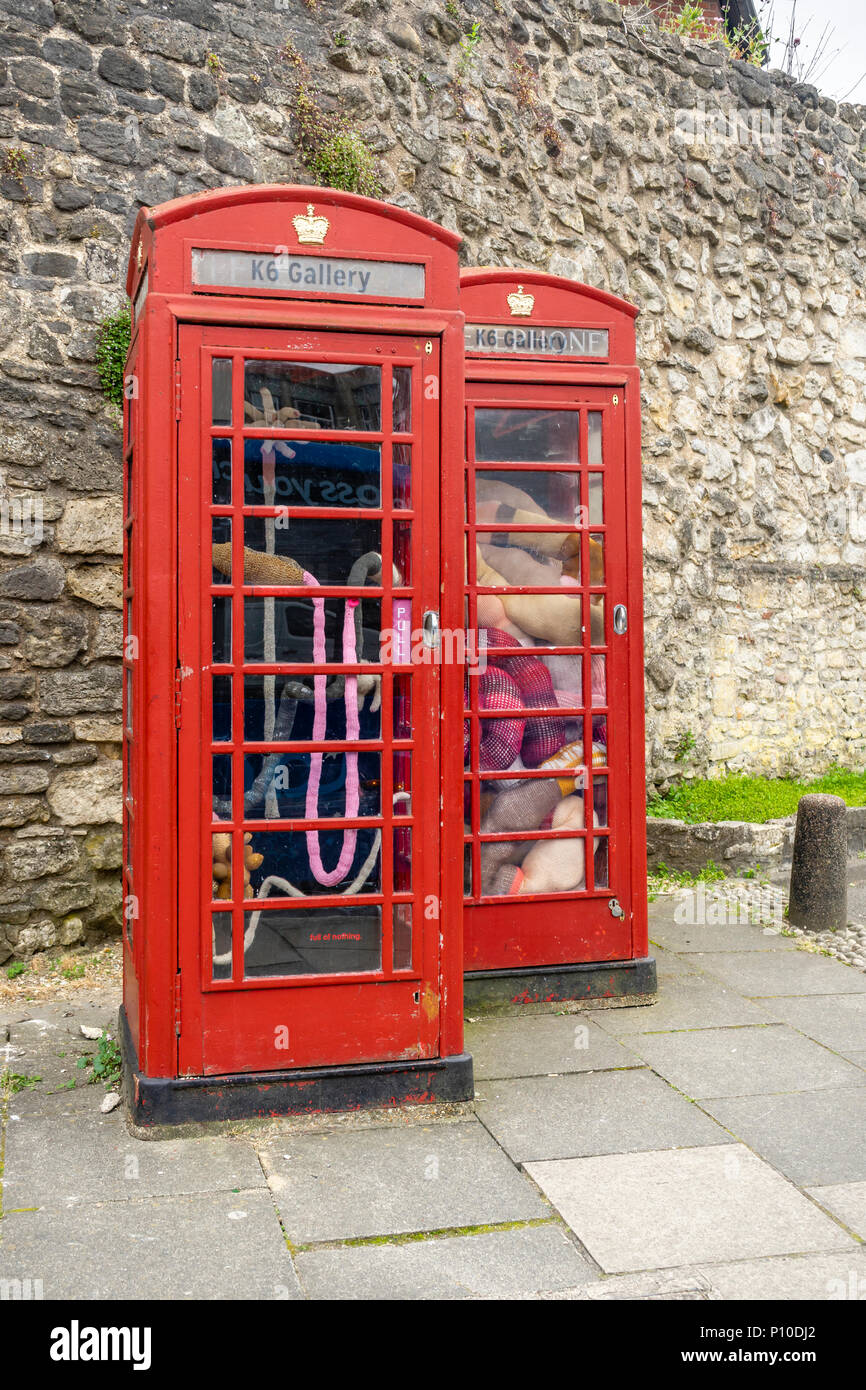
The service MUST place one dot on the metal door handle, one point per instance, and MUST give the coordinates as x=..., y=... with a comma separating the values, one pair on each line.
x=620, y=619
x=430, y=628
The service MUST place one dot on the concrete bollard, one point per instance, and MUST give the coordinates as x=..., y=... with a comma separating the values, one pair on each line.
x=819, y=869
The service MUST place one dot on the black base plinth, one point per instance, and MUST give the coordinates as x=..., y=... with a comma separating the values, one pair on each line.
x=153, y=1100
x=551, y=984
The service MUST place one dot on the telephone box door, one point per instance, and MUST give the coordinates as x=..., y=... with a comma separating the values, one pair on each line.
x=548, y=864
x=309, y=824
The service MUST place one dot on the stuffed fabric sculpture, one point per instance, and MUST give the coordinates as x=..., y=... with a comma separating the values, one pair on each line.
x=556, y=618
x=498, y=501
x=550, y=866
x=541, y=737
x=500, y=738
x=524, y=807
x=222, y=864
x=259, y=568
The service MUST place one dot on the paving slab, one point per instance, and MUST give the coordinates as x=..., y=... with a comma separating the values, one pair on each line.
x=60, y=1161
x=812, y=1278
x=666, y=1285
x=342, y=1185
x=593, y=1113
x=686, y=938
x=836, y=1020
x=687, y=1001
x=744, y=1061
x=847, y=1200
x=211, y=1246
x=542, y=1045
x=759, y=973
x=814, y=1137
x=493, y=1264
x=653, y=1210
x=668, y=963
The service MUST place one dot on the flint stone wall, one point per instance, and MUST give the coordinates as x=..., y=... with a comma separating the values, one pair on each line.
x=565, y=141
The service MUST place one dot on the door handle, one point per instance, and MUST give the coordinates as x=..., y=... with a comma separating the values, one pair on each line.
x=430, y=629
x=620, y=619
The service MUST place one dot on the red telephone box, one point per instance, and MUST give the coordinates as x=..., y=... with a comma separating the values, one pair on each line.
x=293, y=904
x=554, y=796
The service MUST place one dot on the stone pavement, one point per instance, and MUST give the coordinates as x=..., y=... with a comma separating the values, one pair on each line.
x=710, y=1146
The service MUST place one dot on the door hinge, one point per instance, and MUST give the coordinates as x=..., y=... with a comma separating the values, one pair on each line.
x=177, y=1004
x=177, y=390
x=177, y=697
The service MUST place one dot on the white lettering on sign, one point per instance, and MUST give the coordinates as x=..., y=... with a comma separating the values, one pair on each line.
x=537, y=341
x=248, y=270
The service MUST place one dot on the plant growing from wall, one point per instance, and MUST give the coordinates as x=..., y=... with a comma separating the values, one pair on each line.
x=334, y=151
x=112, y=346
x=524, y=81
x=16, y=164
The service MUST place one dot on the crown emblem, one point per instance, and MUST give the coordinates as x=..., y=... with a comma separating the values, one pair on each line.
x=520, y=304
x=311, y=229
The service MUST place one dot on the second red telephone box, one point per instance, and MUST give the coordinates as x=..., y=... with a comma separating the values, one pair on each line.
x=554, y=800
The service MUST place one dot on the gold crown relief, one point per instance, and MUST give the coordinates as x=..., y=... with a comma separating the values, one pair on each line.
x=520, y=304
x=311, y=228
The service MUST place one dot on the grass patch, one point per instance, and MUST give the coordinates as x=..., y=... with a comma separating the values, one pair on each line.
x=755, y=799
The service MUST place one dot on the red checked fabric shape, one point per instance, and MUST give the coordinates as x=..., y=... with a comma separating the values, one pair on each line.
x=515, y=682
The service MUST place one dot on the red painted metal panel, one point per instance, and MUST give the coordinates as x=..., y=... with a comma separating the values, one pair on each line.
x=529, y=930
x=220, y=1026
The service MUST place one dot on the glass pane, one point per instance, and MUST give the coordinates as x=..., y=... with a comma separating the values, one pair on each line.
x=594, y=442
x=599, y=679
x=402, y=553
x=277, y=785
x=402, y=474
x=566, y=672
x=221, y=391
x=312, y=395
x=221, y=471
x=128, y=683
x=596, y=613
x=332, y=551
x=402, y=859
x=467, y=871
x=402, y=706
x=599, y=799
x=403, y=783
x=526, y=436
x=602, y=878
x=221, y=531
x=285, y=627
x=402, y=396
x=282, y=708
x=222, y=946
x=349, y=862
x=222, y=786
x=312, y=940
x=310, y=473
x=596, y=499
x=402, y=936
x=221, y=695
x=221, y=610
x=539, y=498
x=596, y=559
x=221, y=867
